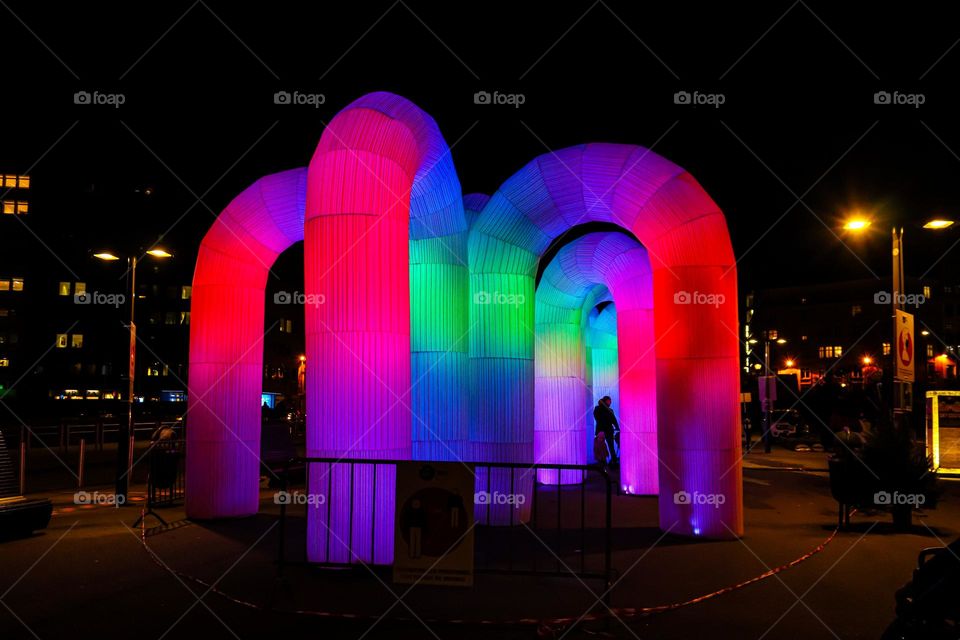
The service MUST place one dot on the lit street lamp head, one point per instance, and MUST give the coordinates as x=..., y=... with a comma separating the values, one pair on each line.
x=105, y=255
x=159, y=253
x=856, y=224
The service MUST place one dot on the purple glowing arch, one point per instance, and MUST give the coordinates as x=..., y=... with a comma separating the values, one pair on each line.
x=686, y=238
x=595, y=268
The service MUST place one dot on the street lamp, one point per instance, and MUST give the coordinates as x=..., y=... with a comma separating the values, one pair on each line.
x=858, y=223
x=126, y=434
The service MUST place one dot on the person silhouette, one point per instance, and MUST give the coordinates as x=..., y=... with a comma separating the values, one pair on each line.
x=607, y=424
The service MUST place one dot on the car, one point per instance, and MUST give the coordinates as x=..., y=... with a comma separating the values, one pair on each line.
x=785, y=423
x=928, y=607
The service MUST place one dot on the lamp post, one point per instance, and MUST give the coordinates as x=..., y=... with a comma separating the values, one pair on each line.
x=125, y=434
x=901, y=389
x=770, y=386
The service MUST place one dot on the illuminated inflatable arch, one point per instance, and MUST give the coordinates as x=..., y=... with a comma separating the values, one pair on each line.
x=697, y=378
x=595, y=268
x=226, y=343
x=423, y=346
x=381, y=189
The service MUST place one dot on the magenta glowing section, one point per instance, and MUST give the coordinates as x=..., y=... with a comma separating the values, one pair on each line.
x=226, y=343
x=381, y=176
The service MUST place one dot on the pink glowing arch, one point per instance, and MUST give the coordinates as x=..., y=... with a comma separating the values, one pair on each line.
x=697, y=376
x=226, y=343
x=594, y=268
x=381, y=177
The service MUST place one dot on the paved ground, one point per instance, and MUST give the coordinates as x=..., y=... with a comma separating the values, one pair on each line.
x=88, y=576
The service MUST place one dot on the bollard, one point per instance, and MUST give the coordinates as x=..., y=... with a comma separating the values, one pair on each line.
x=130, y=464
x=83, y=456
x=23, y=468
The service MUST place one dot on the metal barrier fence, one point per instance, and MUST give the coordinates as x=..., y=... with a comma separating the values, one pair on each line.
x=563, y=533
x=165, y=478
x=66, y=434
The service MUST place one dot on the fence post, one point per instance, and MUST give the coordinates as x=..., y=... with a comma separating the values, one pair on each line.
x=130, y=464
x=23, y=468
x=83, y=456
x=608, y=534
x=283, y=518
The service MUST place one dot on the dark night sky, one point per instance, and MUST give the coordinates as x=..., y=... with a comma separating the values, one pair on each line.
x=199, y=118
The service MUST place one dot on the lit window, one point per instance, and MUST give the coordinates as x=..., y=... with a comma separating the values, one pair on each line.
x=886, y=348
x=153, y=371
x=186, y=292
x=855, y=310
x=772, y=334
x=76, y=341
x=803, y=338
x=929, y=350
x=80, y=288
x=926, y=292
x=9, y=207
x=170, y=317
x=837, y=351
x=10, y=181
x=4, y=313
x=64, y=288
x=18, y=284
x=184, y=317
x=3, y=338
x=61, y=341
x=4, y=362
x=23, y=182
x=23, y=207
x=4, y=285
x=166, y=370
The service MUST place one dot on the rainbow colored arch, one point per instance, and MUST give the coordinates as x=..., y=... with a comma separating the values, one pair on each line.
x=433, y=342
